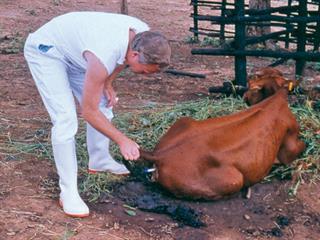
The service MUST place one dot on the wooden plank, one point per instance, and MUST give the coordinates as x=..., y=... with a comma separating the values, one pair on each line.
x=314, y=56
x=183, y=73
x=262, y=18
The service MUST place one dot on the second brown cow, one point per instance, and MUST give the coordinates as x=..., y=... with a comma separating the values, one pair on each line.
x=217, y=157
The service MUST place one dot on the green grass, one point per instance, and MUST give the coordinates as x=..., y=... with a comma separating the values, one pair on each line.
x=210, y=41
x=147, y=127
x=68, y=233
x=191, y=39
x=314, y=65
x=12, y=44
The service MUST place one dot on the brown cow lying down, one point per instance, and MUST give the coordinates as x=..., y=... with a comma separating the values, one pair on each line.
x=265, y=83
x=216, y=157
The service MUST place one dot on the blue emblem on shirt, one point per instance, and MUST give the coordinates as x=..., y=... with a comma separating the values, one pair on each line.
x=44, y=48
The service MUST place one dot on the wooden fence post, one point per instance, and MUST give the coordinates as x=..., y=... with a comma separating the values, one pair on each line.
x=124, y=7
x=317, y=34
x=222, y=25
x=240, y=62
x=287, y=26
x=301, y=36
x=195, y=20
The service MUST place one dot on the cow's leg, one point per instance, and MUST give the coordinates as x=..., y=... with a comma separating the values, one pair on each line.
x=290, y=148
x=224, y=181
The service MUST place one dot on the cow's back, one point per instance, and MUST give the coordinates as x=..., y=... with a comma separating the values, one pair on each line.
x=243, y=144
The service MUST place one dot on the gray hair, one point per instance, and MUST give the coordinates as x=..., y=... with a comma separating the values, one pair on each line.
x=153, y=48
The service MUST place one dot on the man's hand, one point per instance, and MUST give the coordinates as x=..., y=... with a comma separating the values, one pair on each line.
x=110, y=95
x=129, y=149
x=108, y=89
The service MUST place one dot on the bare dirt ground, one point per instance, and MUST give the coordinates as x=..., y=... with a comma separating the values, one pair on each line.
x=29, y=211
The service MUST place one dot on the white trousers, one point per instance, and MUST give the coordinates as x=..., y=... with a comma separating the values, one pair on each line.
x=57, y=84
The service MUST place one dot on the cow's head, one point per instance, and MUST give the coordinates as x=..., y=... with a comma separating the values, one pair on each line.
x=265, y=83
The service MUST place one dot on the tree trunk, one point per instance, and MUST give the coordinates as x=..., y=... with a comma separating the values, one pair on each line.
x=256, y=30
x=124, y=7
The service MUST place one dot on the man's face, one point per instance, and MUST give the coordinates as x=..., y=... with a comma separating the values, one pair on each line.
x=144, y=68
x=137, y=67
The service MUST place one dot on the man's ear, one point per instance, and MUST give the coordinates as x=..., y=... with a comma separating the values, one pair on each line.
x=132, y=56
x=134, y=53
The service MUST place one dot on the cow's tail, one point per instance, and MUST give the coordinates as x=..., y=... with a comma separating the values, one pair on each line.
x=149, y=156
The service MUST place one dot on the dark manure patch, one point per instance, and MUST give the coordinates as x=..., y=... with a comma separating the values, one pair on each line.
x=139, y=191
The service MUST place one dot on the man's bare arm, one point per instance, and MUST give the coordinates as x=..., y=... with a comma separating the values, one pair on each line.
x=95, y=78
x=108, y=88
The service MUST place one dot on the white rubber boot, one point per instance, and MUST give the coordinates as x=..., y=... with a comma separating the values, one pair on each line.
x=67, y=166
x=100, y=159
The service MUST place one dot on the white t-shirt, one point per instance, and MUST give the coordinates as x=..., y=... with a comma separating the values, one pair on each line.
x=104, y=34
